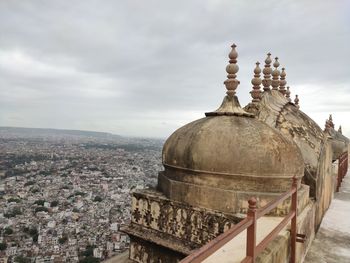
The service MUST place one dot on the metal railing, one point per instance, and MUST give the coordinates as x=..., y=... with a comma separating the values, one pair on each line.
x=250, y=223
x=342, y=168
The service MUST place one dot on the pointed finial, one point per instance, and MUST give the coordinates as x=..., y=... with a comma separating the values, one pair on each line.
x=275, y=75
x=296, y=101
x=267, y=73
x=230, y=105
x=340, y=130
x=288, y=94
x=331, y=121
x=256, y=81
x=283, y=81
x=232, y=68
x=327, y=125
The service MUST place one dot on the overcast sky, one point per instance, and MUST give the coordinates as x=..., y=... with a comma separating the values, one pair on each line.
x=144, y=68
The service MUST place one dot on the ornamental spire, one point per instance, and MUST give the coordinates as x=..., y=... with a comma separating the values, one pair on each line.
x=296, y=101
x=331, y=121
x=288, y=94
x=232, y=68
x=327, y=125
x=283, y=81
x=267, y=73
x=230, y=105
x=256, y=81
x=275, y=75
x=340, y=130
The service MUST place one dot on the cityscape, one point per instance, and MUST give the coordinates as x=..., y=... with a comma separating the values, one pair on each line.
x=65, y=194
x=174, y=131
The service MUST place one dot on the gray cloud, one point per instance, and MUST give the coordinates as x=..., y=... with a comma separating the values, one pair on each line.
x=146, y=67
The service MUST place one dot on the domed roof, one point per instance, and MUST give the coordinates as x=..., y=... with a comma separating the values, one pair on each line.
x=232, y=145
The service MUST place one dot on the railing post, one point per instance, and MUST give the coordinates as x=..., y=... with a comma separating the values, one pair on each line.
x=251, y=230
x=345, y=164
x=293, y=232
x=339, y=173
x=343, y=168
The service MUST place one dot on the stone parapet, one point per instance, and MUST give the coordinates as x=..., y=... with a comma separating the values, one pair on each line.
x=171, y=225
x=169, y=230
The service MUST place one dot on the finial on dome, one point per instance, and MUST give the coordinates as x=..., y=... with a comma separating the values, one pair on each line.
x=267, y=73
x=230, y=105
x=256, y=81
x=331, y=123
x=288, y=94
x=283, y=81
x=327, y=125
x=340, y=130
x=232, y=68
x=275, y=75
x=296, y=101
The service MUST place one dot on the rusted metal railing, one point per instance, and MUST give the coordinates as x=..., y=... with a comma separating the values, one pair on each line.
x=250, y=223
x=342, y=168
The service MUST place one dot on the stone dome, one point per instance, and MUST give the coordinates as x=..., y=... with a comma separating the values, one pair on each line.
x=234, y=147
x=228, y=155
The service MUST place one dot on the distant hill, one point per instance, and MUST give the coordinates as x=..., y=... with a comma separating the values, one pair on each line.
x=89, y=138
x=55, y=132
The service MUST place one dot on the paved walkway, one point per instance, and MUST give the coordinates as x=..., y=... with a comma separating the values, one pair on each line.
x=332, y=242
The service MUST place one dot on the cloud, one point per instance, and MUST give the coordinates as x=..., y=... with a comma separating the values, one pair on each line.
x=128, y=67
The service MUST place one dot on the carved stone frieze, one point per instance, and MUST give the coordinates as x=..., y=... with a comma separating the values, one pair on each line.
x=179, y=220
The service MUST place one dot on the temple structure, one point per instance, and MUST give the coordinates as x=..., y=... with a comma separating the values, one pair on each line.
x=213, y=165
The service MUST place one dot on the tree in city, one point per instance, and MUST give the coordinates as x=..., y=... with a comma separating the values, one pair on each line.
x=3, y=246
x=8, y=231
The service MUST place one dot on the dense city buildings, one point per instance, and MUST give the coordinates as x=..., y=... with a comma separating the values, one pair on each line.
x=64, y=194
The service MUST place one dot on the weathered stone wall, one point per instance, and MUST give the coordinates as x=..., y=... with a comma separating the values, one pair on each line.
x=278, y=251
x=170, y=227
x=226, y=200
x=142, y=251
x=325, y=183
x=196, y=225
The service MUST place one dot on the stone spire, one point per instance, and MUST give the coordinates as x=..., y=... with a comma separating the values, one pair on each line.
x=327, y=126
x=330, y=119
x=232, y=68
x=275, y=75
x=230, y=104
x=267, y=73
x=296, y=101
x=256, y=81
x=288, y=94
x=329, y=123
x=340, y=130
x=283, y=81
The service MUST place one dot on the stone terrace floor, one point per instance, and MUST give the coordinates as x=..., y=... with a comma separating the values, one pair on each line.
x=332, y=242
